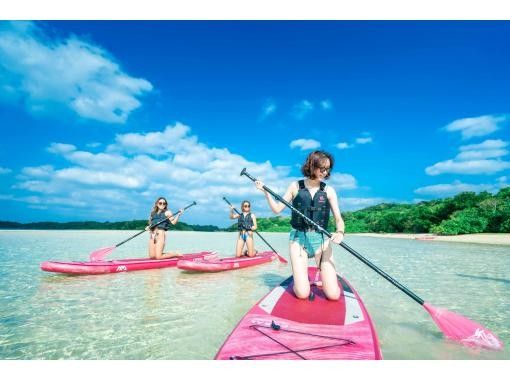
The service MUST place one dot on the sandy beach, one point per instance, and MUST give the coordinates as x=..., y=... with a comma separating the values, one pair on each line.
x=498, y=239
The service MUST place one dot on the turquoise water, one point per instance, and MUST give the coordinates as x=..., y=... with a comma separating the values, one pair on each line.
x=168, y=314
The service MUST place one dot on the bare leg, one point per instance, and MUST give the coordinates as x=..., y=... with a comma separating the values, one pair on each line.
x=328, y=273
x=250, y=244
x=299, y=261
x=152, y=246
x=160, y=245
x=239, y=246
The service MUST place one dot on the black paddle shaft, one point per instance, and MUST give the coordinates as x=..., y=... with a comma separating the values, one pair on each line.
x=345, y=246
x=259, y=235
x=154, y=225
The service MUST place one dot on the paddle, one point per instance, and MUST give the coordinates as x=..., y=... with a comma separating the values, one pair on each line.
x=454, y=326
x=282, y=260
x=100, y=254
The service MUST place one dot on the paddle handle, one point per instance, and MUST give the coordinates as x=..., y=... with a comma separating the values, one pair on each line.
x=259, y=235
x=154, y=225
x=345, y=246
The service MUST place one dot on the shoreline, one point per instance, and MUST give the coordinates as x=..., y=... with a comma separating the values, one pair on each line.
x=491, y=239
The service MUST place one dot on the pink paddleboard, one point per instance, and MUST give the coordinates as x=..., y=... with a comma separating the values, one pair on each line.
x=216, y=264
x=281, y=326
x=116, y=266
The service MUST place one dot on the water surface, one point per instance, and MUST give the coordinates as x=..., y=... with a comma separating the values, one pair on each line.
x=169, y=314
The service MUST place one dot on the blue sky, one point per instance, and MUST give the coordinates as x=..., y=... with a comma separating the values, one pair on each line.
x=98, y=118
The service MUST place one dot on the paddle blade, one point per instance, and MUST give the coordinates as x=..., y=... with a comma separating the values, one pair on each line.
x=461, y=329
x=100, y=253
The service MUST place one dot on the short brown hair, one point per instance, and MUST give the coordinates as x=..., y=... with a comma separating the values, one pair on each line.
x=314, y=160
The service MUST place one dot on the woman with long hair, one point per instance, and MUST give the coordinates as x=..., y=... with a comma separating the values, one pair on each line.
x=157, y=237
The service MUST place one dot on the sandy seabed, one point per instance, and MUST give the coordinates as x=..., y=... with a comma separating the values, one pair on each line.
x=499, y=239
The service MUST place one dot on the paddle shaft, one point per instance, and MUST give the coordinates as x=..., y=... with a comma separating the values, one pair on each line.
x=260, y=236
x=154, y=225
x=345, y=246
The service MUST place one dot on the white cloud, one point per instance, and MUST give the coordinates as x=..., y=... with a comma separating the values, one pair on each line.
x=486, y=145
x=487, y=149
x=363, y=140
x=342, y=181
x=449, y=189
x=344, y=145
x=5, y=170
x=301, y=109
x=326, y=104
x=268, y=109
x=468, y=167
x=305, y=144
x=476, y=126
x=43, y=72
x=482, y=158
x=123, y=181
x=59, y=148
x=352, y=204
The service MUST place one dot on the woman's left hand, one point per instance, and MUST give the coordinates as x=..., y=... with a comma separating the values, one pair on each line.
x=181, y=211
x=337, y=237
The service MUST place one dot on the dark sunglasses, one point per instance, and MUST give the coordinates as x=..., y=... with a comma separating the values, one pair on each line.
x=162, y=203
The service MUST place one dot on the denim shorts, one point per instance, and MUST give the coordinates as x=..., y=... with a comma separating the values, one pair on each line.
x=311, y=241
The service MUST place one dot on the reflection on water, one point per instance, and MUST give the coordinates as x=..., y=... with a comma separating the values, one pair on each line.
x=169, y=314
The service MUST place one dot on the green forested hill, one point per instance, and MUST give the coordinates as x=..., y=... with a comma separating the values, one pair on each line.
x=129, y=225
x=466, y=213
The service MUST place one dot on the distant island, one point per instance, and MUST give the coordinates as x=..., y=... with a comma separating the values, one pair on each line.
x=465, y=213
x=129, y=225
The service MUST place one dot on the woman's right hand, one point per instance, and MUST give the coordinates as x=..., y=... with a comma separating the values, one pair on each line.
x=146, y=228
x=259, y=185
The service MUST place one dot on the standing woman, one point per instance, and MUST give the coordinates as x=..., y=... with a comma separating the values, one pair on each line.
x=316, y=200
x=158, y=234
x=246, y=224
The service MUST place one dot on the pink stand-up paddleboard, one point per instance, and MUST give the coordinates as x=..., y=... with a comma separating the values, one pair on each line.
x=216, y=264
x=281, y=326
x=116, y=266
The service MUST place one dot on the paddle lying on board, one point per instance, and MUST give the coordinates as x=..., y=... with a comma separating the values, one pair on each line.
x=282, y=260
x=454, y=326
x=100, y=254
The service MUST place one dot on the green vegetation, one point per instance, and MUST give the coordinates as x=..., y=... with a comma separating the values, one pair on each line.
x=130, y=225
x=466, y=213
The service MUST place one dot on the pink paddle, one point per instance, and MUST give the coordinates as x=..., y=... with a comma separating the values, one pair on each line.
x=454, y=326
x=101, y=253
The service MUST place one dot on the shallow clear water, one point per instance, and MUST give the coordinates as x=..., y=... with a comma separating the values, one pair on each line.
x=168, y=314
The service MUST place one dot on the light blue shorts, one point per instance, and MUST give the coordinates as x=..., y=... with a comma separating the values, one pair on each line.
x=311, y=241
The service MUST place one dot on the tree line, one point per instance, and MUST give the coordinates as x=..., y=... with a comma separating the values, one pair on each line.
x=465, y=213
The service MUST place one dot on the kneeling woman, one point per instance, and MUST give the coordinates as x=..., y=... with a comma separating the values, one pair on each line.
x=158, y=234
x=246, y=224
x=312, y=197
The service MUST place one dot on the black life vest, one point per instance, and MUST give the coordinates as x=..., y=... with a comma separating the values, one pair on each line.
x=244, y=223
x=158, y=217
x=317, y=209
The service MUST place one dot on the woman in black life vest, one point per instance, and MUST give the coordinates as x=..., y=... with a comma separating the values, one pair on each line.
x=316, y=200
x=157, y=236
x=246, y=224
